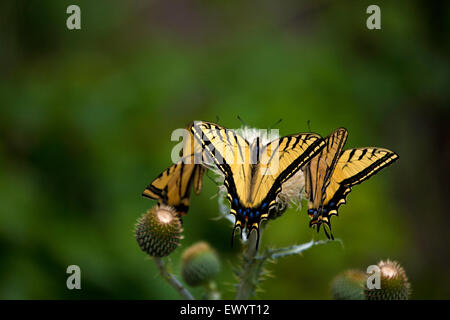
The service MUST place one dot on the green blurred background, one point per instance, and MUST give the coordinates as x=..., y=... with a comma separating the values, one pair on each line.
x=86, y=118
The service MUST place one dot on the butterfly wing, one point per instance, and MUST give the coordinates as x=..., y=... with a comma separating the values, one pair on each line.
x=280, y=160
x=199, y=171
x=173, y=186
x=230, y=153
x=353, y=167
x=319, y=170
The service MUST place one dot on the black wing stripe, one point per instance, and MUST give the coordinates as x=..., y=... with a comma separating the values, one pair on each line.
x=224, y=167
x=258, y=151
x=297, y=140
x=239, y=147
x=312, y=150
x=363, y=153
x=218, y=133
x=154, y=190
x=388, y=159
x=287, y=143
x=180, y=182
x=350, y=156
x=309, y=177
x=332, y=166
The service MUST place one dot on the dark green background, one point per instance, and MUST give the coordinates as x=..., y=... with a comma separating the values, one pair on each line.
x=86, y=118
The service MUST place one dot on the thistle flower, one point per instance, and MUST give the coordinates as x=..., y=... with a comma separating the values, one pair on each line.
x=199, y=264
x=349, y=285
x=394, y=284
x=158, y=231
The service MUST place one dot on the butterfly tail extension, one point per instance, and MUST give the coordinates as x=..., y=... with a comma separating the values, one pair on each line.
x=236, y=226
x=257, y=238
x=318, y=222
x=325, y=227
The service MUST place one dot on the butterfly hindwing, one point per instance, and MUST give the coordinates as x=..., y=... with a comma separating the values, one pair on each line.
x=199, y=171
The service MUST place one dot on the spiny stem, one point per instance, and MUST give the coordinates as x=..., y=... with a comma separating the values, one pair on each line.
x=251, y=269
x=170, y=278
x=253, y=264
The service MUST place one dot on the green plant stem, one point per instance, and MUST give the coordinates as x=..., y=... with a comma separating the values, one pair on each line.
x=251, y=270
x=170, y=278
x=252, y=266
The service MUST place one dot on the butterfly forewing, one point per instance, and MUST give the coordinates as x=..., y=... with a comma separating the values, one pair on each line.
x=280, y=160
x=229, y=152
x=320, y=169
x=355, y=166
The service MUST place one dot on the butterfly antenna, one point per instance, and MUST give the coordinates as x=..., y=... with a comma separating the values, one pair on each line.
x=217, y=119
x=309, y=127
x=272, y=126
x=242, y=121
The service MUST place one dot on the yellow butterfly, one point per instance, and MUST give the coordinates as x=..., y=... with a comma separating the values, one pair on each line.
x=329, y=176
x=173, y=186
x=254, y=173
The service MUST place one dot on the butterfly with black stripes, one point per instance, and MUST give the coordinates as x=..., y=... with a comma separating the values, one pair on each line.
x=330, y=176
x=254, y=172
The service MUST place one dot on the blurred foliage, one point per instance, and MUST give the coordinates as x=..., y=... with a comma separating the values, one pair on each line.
x=86, y=118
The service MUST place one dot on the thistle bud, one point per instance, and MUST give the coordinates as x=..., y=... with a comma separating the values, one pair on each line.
x=199, y=264
x=394, y=284
x=349, y=285
x=158, y=231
